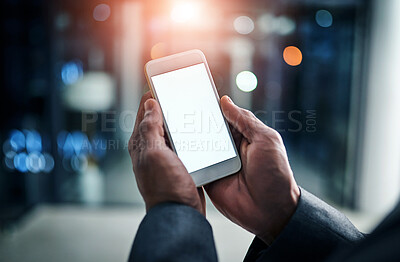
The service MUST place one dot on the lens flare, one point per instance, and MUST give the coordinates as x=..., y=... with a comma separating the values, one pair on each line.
x=183, y=12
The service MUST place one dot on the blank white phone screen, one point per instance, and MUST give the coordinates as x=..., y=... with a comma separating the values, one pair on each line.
x=193, y=117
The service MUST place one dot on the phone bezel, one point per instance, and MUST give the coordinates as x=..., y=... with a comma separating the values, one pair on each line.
x=182, y=60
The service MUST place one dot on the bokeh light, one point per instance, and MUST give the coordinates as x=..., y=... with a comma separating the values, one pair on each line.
x=283, y=25
x=74, y=148
x=80, y=143
x=267, y=23
x=95, y=91
x=101, y=12
x=17, y=140
x=292, y=56
x=23, y=152
x=20, y=162
x=324, y=18
x=62, y=21
x=48, y=163
x=7, y=148
x=71, y=72
x=184, y=11
x=79, y=163
x=286, y=25
x=35, y=162
x=33, y=141
x=158, y=50
x=9, y=160
x=243, y=25
x=74, y=143
x=246, y=81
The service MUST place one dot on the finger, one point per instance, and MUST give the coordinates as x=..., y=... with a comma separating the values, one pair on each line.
x=241, y=119
x=237, y=136
x=151, y=128
x=200, y=190
x=134, y=139
x=140, y=113
x=167, y=142
x=223, y=190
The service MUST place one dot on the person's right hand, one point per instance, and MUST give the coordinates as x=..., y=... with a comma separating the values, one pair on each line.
x=263, y=195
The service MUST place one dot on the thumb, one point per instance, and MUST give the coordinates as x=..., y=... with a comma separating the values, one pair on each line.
x=151, y=128
x=241, y=119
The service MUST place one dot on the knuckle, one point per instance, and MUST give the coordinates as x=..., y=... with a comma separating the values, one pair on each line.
x=274, y=133
x=247, y=113
x=275, y=136
x=269, y=135
x=144, y=126
x=150, y=125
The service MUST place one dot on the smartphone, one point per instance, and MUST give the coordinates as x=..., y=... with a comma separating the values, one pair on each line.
x=199, y=134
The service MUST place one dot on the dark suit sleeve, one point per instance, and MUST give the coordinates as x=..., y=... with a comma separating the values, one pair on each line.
x=312, y=234
x=173, y=232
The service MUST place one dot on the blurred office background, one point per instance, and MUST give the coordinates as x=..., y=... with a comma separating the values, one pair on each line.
x=323, y=73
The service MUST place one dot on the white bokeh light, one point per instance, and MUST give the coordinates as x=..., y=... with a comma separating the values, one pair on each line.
x=269, y=24
x=286, y=25
x=246, y=81
x=243, y=25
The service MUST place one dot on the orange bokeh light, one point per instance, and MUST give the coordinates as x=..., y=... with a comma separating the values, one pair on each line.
x=292, y=56
x=158, y=50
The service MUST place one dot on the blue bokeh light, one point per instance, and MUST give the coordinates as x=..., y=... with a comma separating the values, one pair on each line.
x=74, y=143
x=9, y=160
x=324, y=18
x=68, y=148
x=71, y=72
x=17, y=140
x=35, y=162
x=24, y=152
x=48, y=163
x=33, y=141
x=79, y=163
x=20, y=162
x=80, y=143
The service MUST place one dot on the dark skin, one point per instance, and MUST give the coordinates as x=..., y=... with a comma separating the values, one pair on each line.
x=160, y=175
x=261, y=197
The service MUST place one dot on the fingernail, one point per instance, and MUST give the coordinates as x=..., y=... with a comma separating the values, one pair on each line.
x=148, y=106
x=229, y=99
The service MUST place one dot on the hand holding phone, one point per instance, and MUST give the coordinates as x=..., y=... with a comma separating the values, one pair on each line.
x=160, y=175
x=183, y=86
x=263, y=195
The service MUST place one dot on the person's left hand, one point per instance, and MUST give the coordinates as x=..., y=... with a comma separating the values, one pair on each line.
x=160, y=175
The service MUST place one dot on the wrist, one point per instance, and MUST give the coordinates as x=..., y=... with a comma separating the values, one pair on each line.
x=281, y=217
x=180, y=200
